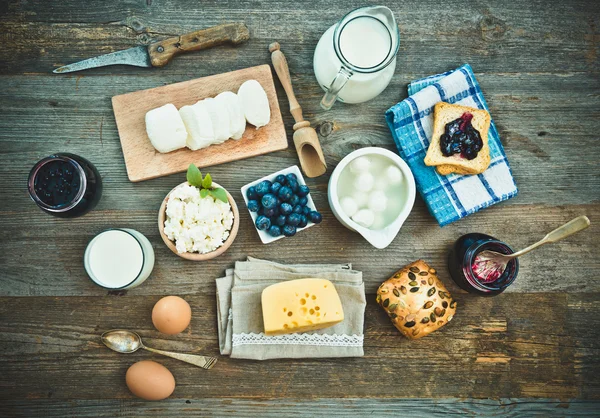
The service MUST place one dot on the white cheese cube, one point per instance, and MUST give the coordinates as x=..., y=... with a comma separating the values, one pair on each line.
x=199, y=126
x=219, y=116
x=165, y=128
x=255, y=103
x=237, y=120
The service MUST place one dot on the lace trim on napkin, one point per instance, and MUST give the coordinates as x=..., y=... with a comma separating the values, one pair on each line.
x=332, y=340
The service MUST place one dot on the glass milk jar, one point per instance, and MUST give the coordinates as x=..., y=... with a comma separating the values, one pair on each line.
x=355, y=59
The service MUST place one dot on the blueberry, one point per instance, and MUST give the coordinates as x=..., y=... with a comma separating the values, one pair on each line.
x=315, y=217
x=261, y=211
x=269, y=201
x=303, y=221
x=306, y=210
x=285, y=209
x=303, y=201
x=263, y=188
x=263, y=223
x=291, y=176
x=289, y=230
x=455, y=148
x=274, y=231
x=281, y=179
x=293, y=219
x=298, y=209
x=293, y=184
x=452, y=127
x=269, y=212
x=251, y=193
x=285, y=193
x=275, y=187
x=253, y=205
x=280, y=220
x=294, y=200
x=303, y=190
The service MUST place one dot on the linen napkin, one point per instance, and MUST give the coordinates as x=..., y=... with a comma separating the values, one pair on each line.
x=449, y=198
x=240, y=321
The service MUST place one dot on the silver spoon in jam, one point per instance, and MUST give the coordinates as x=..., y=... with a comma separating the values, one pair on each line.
x=490, y=265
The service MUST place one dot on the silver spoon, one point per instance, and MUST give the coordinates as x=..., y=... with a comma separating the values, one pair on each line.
x=123, y=341
x=490, y=264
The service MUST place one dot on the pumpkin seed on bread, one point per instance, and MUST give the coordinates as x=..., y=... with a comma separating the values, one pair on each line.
x=416, y=300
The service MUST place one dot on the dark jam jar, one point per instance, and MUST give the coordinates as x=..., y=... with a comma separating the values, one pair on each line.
x=65, y=185
x=461, y=259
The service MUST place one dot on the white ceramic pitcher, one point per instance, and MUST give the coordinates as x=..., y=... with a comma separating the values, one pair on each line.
x=355, y=59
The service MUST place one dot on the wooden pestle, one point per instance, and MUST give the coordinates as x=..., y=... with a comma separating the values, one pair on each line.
x=306, y=140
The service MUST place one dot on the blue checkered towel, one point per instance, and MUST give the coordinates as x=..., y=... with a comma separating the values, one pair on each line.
x=451, y=197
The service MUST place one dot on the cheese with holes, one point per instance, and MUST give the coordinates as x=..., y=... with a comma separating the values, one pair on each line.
x=300, y=305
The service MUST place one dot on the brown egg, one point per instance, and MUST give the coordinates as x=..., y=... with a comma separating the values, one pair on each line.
x=171, y=315
x=150, y=380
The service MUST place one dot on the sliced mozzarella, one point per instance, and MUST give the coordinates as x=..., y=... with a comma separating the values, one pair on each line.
x=237, y=120
x=255, y=103
x=220, y=119
x=165, y=128
x=199, y=126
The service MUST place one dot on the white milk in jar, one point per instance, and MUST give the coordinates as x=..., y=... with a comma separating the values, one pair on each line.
x=119, y=258
x=366, y=48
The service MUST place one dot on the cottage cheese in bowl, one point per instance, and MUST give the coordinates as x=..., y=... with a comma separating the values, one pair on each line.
x=197, y=224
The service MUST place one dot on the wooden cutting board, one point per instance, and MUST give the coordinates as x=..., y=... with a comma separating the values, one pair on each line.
x=144, y=162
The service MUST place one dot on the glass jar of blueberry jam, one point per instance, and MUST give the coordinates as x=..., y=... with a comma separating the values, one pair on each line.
x=65, y=185
x=462, y=259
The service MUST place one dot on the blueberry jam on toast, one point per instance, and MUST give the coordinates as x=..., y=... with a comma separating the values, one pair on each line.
x=460, y=137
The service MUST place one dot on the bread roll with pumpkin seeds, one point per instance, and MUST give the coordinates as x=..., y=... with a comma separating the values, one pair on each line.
x=416, y=300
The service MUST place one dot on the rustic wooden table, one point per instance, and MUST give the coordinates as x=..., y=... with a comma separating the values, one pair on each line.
x=532, y=349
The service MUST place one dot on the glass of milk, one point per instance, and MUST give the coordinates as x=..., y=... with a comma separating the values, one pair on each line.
x=355, y=59
x=120, y=258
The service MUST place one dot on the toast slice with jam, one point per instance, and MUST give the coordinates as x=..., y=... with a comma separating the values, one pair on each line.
x=459, y=143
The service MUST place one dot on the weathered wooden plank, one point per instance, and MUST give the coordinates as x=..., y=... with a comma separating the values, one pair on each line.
x=514, y=345
x=561, y=37
x=358, y=407
x=46, y=257
x=543, y=130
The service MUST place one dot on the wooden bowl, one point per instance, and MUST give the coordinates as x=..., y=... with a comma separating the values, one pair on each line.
x=162, y=216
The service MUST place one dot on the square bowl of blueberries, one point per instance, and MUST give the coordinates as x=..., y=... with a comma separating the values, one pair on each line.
x=280, y=204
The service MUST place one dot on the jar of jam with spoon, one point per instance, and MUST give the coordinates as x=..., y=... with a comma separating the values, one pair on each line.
x=483, y=265
x=466, y=271
x=65, y=185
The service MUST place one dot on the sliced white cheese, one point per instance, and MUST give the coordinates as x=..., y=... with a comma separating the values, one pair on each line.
x=220, y=119
x=254, y=103
x=237, y=120
x=165, y=128
x=199, y=126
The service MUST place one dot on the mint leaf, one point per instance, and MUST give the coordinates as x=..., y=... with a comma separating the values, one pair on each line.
x=204, y=193
x=207, y=182
x=220, y=194
x=194, y=176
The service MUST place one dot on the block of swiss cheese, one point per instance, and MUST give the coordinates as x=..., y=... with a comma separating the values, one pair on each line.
x=300, y=305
